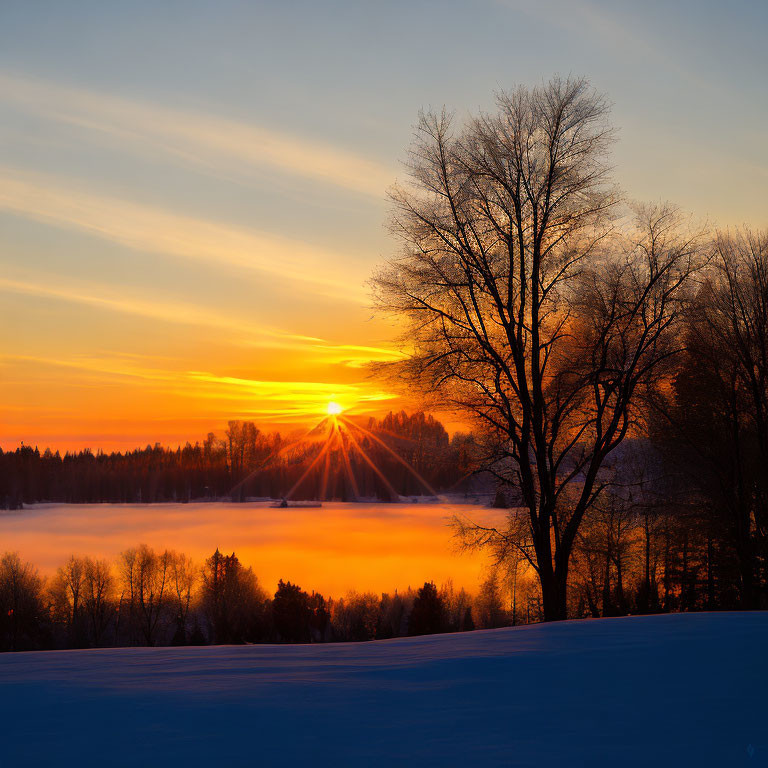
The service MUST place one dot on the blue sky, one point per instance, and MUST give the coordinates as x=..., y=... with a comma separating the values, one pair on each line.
x=192, y=195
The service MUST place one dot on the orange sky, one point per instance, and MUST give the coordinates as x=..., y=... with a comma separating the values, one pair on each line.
x=120, y=400
x=143, y=310
x=191, y=204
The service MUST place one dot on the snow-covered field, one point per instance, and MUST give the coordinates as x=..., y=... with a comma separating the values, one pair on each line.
x=683, y=690
x=329, y=549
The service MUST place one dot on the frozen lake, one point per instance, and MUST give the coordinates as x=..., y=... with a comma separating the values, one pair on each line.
x=330, y=549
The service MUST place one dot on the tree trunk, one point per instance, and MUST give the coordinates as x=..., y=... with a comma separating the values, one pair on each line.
x=607, y=606
x=746, y=560
x=667, y=575
x=620, y=601
x=647, y=574
x=554, y=594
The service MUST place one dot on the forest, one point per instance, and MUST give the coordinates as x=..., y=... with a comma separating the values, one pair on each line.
x=612, y=355
x=245, y=462
x=163, y=598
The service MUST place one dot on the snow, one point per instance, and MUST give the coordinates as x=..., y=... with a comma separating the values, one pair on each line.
x=686, y=690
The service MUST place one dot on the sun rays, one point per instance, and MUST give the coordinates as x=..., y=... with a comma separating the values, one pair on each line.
x=343, y=440
x=331, y=471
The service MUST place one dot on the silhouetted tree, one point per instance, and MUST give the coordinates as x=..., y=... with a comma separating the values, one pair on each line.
x=184, y=576
x=428, y=612
x=458, y=606
x=21, y=605
x=356, y=617
x=67, y=595
x=725, y=383
x=145, y=579
x=232, y=600
x=524, y=309
x=98, y=598
x=489, y=605
x=393, y=614
x=299, y=617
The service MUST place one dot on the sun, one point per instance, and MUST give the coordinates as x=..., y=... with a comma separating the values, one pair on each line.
x=334, y=409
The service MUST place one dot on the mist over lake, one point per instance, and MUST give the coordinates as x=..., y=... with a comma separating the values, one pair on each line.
x=331, y=549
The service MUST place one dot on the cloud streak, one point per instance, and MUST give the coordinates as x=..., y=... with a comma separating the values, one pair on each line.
x=237, y=330
x=50, y=200
x=100, y=297
x=234, y=395
x=195, y=138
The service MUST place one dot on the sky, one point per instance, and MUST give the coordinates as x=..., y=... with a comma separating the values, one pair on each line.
x=193, y=195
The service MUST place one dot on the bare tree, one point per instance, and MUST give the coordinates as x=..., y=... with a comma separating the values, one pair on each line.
x=606, y=544
x=146, y=586
x=738, y=316
x=98, y=586
x=489, y=605
x=721, y=411
x=523, y=306
x=21, y=605
x=67, y=594
x=184, y=576
x=356, y=616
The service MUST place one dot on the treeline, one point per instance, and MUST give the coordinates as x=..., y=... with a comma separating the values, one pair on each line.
x=163, y=598
x=692, y=518
x=653, y=545
x=676, y=515
x=665, y=535
x=247, y=462
x=565, y=319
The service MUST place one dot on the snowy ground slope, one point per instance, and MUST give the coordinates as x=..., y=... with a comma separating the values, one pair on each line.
x=687, y=690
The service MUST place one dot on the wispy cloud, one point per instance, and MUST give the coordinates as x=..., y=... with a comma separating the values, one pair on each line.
x=230, y=396
x=196, y=138
x=356, y=356
x=104, y=297
x=51, y=200
x=236, y=330
x=293, y=394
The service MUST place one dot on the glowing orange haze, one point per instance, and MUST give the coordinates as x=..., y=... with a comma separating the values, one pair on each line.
x=115, y=403
x=331, y=549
